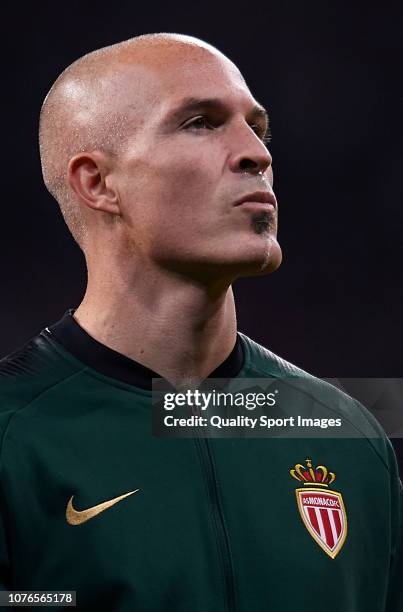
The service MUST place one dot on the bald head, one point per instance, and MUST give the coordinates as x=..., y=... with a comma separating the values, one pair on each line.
x=87, y=109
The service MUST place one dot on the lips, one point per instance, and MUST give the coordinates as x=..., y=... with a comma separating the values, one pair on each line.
x=264, y=197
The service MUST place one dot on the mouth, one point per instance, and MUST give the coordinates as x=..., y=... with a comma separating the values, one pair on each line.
x=258, y=201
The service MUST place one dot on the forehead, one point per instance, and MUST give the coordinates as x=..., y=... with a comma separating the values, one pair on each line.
x=164, y=80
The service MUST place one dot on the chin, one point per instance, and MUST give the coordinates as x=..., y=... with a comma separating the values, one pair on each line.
x=248, y=258
x=261, y=260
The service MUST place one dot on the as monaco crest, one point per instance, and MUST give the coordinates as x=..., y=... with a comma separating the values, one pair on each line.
x=322, y=509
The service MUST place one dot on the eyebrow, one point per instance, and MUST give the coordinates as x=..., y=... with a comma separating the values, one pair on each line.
x=197, y=104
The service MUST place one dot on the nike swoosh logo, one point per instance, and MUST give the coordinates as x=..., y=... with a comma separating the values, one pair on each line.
x=76, y=517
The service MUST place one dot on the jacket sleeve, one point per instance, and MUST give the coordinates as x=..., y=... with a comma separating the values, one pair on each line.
x=5, y=569
x=5, y=565
x=395, y=590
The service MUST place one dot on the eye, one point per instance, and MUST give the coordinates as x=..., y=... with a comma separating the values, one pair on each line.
x=198, y=123
x=267, y=137
x=264, y=135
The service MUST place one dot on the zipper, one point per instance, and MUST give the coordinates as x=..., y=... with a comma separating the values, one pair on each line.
x=206, y=459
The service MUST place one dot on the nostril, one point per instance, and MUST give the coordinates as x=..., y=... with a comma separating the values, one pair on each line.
x=247, y=164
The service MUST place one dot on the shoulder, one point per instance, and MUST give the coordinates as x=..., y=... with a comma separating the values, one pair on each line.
x=323, y=398
x=260, y=359
x=30, y=371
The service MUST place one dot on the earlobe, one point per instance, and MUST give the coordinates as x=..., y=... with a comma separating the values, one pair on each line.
x=86, y=175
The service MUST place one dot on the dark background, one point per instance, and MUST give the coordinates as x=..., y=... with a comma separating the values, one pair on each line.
x=330, y=75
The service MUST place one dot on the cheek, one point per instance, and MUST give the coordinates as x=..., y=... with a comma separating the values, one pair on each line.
x=172, y=184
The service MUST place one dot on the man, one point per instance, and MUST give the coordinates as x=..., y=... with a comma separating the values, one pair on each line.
x=155, y=150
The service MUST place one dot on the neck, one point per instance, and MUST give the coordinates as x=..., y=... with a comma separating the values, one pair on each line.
x=177, y=327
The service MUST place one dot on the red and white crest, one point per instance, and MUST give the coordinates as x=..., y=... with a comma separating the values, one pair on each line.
x=324, y=516
x=322, y=509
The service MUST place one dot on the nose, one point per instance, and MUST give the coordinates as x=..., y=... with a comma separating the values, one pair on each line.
x=249, y=152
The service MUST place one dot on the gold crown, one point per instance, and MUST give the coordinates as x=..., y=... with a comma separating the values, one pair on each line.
x=319, y=476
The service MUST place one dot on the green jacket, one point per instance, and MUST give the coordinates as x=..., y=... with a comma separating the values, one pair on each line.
x=209, y=525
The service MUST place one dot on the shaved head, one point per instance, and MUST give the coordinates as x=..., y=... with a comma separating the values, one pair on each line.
x=86, y=109
x=147, y=145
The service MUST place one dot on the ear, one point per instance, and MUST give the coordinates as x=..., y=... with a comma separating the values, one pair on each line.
x=86, y=174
